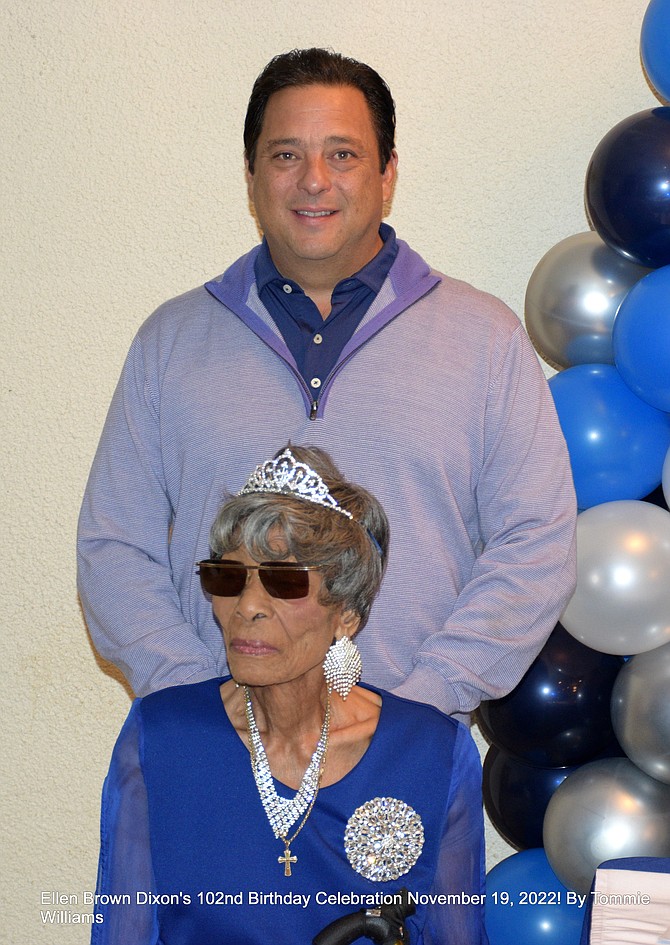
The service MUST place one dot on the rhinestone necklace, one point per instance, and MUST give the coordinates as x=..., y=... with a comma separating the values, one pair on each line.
x=282, y=812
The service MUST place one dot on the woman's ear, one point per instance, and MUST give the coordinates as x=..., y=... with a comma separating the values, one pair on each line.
x=349, y=623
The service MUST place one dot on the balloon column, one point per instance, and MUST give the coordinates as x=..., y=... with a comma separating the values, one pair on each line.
x=579, y=765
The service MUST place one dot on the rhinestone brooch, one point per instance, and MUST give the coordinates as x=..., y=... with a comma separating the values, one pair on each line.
x=383, y=839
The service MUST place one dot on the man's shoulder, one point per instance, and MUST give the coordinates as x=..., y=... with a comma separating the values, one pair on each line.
x=449, y=295
x=205, y=299
x=468, y=300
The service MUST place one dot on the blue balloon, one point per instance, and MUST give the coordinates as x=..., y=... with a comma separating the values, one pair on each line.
x=559, y=714
x=526, y=904
x=628, y=187
x=655, y=46
x=617, y=442
x=641, y=338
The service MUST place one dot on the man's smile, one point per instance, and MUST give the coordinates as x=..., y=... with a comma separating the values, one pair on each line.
x=315, y=213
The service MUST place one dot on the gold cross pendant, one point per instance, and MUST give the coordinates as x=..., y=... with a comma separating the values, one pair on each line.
x=287, y=859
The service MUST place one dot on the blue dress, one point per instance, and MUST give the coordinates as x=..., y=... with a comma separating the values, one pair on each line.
x=188, y=857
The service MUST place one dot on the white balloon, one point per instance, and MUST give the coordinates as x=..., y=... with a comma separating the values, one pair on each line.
x=621, y=603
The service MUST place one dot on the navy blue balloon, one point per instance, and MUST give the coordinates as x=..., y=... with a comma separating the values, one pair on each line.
x=526, y=903
x=628, y=187
x=657, y=497
x=516, y=795
x=617, y=442
x=559, y=714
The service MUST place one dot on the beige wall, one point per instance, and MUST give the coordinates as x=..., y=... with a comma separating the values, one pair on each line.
x=121, y=130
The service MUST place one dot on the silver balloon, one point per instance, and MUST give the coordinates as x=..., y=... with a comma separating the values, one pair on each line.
x=641, y=711
x=621, y=603
x=604, y=809
x=572, y=298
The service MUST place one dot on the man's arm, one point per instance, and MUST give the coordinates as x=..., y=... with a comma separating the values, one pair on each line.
x=525, y=572
x=124, y=574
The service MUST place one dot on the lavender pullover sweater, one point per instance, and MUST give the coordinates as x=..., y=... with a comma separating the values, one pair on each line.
x=437, y=405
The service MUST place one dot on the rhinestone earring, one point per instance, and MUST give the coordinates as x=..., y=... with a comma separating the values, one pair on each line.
x=342, y=666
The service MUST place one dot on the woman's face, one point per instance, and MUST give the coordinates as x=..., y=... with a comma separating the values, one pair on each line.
x=270, y=641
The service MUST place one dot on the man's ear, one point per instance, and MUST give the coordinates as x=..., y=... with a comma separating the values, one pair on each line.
x=389, y=175
x=249, y=178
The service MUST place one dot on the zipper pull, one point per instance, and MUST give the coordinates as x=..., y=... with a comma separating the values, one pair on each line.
x=313, y=411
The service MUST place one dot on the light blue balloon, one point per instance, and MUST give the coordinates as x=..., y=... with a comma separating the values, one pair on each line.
x=655, y=46
x=617, y=442
x=526, y=904
x=641, y=339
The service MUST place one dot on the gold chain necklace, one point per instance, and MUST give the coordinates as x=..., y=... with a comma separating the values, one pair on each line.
x=281, y=812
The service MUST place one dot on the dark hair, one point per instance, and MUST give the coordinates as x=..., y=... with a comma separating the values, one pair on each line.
x=352, y=562
x=315, y=66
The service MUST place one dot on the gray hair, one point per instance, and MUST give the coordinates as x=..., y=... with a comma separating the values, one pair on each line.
x=352, y=555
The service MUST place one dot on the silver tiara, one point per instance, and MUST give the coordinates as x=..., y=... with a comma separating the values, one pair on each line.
x=285, y=475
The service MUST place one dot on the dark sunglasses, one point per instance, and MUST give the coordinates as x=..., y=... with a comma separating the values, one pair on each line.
x=285, y=580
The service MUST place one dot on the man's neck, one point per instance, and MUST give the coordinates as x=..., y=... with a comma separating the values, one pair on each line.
x=318, y=278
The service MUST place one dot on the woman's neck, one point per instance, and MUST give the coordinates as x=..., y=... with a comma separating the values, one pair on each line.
x=290, y=719
x=290, y=710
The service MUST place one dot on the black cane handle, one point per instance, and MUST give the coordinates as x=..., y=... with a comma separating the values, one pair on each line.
x=383, y=926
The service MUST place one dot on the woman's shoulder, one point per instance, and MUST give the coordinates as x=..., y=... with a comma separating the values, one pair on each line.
x=181, y=701
x=424, y=721
x=421, y=755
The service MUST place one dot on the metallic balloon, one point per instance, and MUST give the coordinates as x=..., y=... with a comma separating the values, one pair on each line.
x=641, y=711
x=641, y=338
x=655, y=44
x=606, y=809
x=617, y=442
x=622, y=600
x=572, y=298
x=526, y=904
x=559, y=713
x=628, y=187
x=516, y=795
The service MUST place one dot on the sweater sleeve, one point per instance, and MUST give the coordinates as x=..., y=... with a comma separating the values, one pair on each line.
x=125, y=873
x=525, y=569
x=124, y=572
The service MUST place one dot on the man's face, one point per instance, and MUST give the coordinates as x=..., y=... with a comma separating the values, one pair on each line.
x=317, y=186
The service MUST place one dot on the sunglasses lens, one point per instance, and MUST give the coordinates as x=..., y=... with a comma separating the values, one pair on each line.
x=228, y=579
x=285, y=583
x=223, y=580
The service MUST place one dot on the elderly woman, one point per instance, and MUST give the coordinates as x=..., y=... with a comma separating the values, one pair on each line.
x=262, y=807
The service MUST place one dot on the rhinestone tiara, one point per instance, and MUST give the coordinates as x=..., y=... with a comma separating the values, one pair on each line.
x=285, y=475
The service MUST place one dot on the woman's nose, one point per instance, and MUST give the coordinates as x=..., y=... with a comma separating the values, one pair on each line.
x=254, y=599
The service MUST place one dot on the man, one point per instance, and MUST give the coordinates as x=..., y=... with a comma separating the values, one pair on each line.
x=334, y=333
